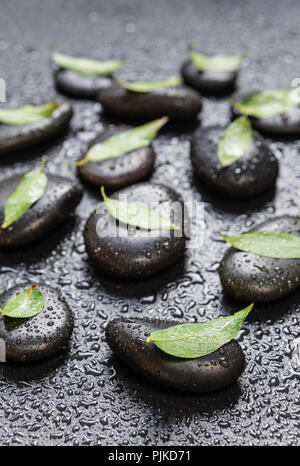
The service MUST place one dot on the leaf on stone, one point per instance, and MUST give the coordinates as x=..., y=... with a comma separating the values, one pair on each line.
x=86, y=65
x=26, y=304
x=235, y=142
x=216, y=62
x=30, y=189
x=137, y=215
x=124, y=142
x=27, y=114
x=276, y=244
x=149, y=86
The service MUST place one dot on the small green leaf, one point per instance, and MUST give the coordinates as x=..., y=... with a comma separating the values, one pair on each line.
x=149, y=86
x=27, y=114
x=270, y=103
x=26, y=304
x=86, y=65
x=124, y=142
x=30, y=189
x=235, y=141
x=217, y=62
x=276, y=244
x=137, y=215
x=196, y=340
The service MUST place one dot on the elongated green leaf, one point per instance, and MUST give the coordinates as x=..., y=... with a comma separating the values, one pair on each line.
x=26, y=304
x=276, y=244
x=86, y=65
x=217, y=62
x=137, y=215
x=270, y=103
x=235, y=141
x=27, y=114
x=30, y=189
x=124, y=142
x=196, y=340
x=149, y=86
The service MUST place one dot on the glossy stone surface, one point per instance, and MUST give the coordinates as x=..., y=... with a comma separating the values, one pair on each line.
x=59, y=200
x=40, y=336
x=208, y=82
x=135, y=252
x=121, y=171
x=250, y=277
x=287, y=124
x=80, y=85
x=252, y=174
x=127, y=338
x=180, y=103
x=18, y=137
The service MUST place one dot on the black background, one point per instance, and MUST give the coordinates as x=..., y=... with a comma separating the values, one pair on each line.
x=86, y=397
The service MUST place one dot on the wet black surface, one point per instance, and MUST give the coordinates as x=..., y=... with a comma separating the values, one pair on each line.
x=89, y=397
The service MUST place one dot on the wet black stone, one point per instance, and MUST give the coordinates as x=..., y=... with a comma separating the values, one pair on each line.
x=250, y=277
x=208, y=82
x=134, y=253
x=61, y=197
x=287, y=124
x=127, y=338
x=178, y=103
x=80, y=85
x=40, y=336
x=254, y=173
x=18, y=137
x=121, y=171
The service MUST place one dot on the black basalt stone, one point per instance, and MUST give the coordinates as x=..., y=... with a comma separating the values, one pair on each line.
x=59, y=200
x=179, y=103
x=254, y=173
x=40, y=336
x=250, y=277
x=121, y=171
x=285, y=125
x=208, y=82
x=80, y=85
x=130, y=252
x=127, y=338
x=18, y=137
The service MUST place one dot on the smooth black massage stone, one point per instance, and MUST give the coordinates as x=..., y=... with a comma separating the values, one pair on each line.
x=18, y=137
x=59, y=200
x=250, y=277
x=80, y=85
x=252, y=174
x=208, y=82
x=134, y=252
x=179, y=103
x=127, y=338
x=287, y=124
x=121, y=171
x=40, y=336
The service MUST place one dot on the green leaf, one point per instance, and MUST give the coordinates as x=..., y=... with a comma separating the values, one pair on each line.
x=270, y=103
x=86, y=65
x=137, y=215
x=30, y=189
x=235, y=141
x=217, y=62
x=196, y=340
x=149, y=86
x=26, y=304
x=124, y=142
x=27, y=114
x=276, y=244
